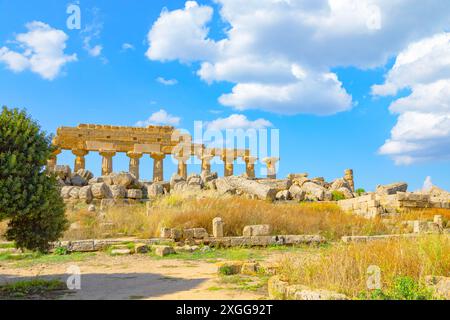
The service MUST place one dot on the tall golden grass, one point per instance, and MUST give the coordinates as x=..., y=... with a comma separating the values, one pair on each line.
x=343, y=268
x=175, y=212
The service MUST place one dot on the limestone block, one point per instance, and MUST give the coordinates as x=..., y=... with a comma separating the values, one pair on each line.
x=440, y=286
x=175, y=179
x=124, y=179
x=250, y=187
x=82, y=246
x=85, y=194
x=166, y=233
x=256, y=230
x=163, y=251
x=188, y=234
x=176, y=234
x=141, y=248
x=278, y=184
x=283, y=195
x=120, y=252
x=437, y=219
x=155, y=190
x=392, y=188
x=297, y=193
x=420, y=226
x=74, y=193
x=207, y=177
x=229, y=268
x=65, y=192
x=217, y=227
x=277, y=288
x=200, y=233
x=62, y=172
x=78, y=180
x=314, y=192
x=100, y=191
x=340, y=183
x=348, y=194
x=134, y=194
x=249, y=268
x=118, y=191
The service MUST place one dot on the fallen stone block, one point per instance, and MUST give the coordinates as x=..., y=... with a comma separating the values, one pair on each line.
x=393, y=188
x=250, y=268
x=217, y=227
x=229, y=268
x=120, y=252
x=163, y=251
x=440, y=286
x=256, y=230
x=141, y=248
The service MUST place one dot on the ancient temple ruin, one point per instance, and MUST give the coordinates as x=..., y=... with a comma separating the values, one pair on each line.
x=156, y=141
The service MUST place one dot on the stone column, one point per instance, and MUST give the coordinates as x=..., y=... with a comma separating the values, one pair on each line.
x=271, y=163
x=80, y=162
x=250, y=166
x=217, y=227
x=107, y=164
x=158, y=166
x=182, y=166
x=134, y=163
x=53, y=160
x=228, y=165
x=349, y=178
x=206, y=163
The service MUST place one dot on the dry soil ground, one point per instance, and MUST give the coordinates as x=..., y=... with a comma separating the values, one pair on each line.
x=138, y=277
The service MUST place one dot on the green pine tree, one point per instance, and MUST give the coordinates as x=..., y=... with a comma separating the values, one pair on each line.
x=29, y=197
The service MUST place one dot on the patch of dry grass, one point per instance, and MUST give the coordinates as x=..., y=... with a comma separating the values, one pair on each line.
x=176, y=212
x=343, y=268
x=425, y=214
x=3, y=228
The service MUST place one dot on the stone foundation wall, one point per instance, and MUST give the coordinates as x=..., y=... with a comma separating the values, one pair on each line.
x=373, y=205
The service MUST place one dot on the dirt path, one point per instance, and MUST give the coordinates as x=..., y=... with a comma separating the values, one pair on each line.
x=134, y=277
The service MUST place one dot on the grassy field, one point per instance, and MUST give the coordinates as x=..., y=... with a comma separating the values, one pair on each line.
x=404, y=264
x=173, y=212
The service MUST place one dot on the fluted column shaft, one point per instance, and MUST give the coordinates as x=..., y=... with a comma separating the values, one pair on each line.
x=158, y=166
x=107, y=163
x=271, y=167
x=134, y=163
x=80, y=161
x=206, y=163
x=53, y=160
x=250, y=166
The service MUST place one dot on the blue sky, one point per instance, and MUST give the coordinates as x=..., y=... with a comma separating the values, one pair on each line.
x=326, y=128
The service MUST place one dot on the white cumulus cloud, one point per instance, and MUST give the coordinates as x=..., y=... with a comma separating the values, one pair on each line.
x=167, y=82
x=42, y=51
x=280, y=54
x=161, y=117
x=237, y=121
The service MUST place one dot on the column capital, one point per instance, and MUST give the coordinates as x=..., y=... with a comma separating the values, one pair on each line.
x=207, y=157
x=250, y=159
x=228, y=157
x=80, y=152
x=271, y=160
x=134, y=155
x=107, y=153
x=157, y=155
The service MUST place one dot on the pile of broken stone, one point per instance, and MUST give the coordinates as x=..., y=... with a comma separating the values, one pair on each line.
x=84, y=187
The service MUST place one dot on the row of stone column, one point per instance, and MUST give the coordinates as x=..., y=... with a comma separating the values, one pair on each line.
x=158, y=163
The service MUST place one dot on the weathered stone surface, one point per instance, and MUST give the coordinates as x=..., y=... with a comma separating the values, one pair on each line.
x=124, y=179
x=120, y=252
x=134, y=194
x=340, y=183
x=85, y=174
x=176, y=234
x=348, y=194
x=281, y=290
x=85, y=194
x=247, y=186
x=176, y=179
x=392, y=188
x=194, y=180
x=249, y=268
x=141, y=248
x=297, y=193
x=217, y=227
x=78, y=180
x=65, y=192
x=440, y=286
x=256, y=230
x=229, y=267
x=207, y=177
x=95, y=180
x=118, y=191
x=74, y=193
x=165, y=233
x=62, y=172
x=278, y=184
x=314, y=192
x=283, y=195
x=163, y=251
x=155, y=190
x=82, y=246
x=293, y=176
x=200, y=233
x=92, y=208
x=100, y=191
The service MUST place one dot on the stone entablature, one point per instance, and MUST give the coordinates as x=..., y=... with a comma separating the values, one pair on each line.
x=156, y=141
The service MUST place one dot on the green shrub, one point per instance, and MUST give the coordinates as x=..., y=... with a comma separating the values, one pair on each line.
x=337, y=195
x=29, y=198
x=360, y=191
x=61, y=251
